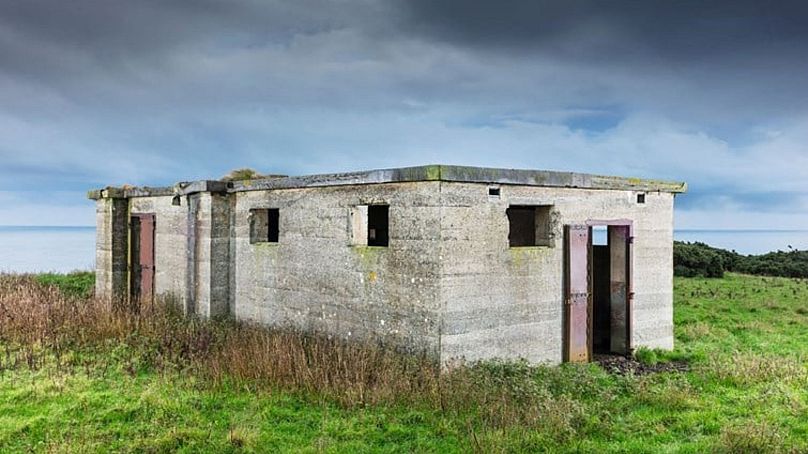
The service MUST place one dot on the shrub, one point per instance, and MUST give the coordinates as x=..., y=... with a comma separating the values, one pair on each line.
x=699, y=259
x=242, y=174
x=786, y=264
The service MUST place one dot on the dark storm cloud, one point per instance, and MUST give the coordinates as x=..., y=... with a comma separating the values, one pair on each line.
x=730, y=57
x=736, y=61
x=117, y=28
x=681, y=30
x=63, y=43
x=96, y=92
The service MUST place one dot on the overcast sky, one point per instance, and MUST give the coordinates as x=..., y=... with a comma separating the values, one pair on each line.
x=106, y=92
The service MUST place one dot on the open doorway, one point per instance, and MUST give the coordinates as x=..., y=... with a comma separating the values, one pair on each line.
x=597, y=289
x=601, y=298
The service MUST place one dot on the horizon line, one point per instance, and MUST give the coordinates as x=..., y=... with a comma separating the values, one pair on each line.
x=675, y=230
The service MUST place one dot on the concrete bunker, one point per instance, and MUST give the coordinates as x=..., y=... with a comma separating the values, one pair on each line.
x=464, y=263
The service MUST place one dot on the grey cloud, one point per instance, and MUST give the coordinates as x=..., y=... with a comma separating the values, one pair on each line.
x=736, y=62
x=146, y=92
x=740, y=59
x=119, y=29
x=683, y=30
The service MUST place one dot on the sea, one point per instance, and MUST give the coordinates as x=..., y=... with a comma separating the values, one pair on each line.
x=34, y=249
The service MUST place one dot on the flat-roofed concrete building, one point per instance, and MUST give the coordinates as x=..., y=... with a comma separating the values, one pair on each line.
x=463, y=262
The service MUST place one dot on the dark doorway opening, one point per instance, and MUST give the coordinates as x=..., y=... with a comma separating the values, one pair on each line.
x=601, y=299
x=597, y=290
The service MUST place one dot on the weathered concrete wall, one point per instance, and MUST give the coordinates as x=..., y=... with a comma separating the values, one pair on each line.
x=170, y=264
x=506, y=302
x=111, y=247
x=209, y=247
x=448, y=282
x=314, y=278
x=192, y=250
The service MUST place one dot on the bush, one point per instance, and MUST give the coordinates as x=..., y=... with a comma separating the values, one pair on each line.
x=786, y=264
x=242, y=174
x=699, y=259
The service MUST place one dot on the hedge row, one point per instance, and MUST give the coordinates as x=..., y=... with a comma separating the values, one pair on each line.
x=699, y=259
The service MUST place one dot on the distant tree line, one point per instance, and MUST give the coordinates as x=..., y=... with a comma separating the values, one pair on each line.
x=699, y=259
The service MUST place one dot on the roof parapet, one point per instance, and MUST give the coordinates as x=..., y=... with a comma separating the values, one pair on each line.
x=462, y=174
x=465, y=174
x=181, y=188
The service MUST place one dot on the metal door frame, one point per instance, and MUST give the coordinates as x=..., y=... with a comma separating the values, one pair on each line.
x=572, y=300
x=566, y=326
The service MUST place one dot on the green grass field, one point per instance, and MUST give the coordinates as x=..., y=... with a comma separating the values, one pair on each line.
x=745, y=338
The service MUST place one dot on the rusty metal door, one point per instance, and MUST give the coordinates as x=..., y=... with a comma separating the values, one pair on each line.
x=577, y=294
x=146, y=256
x=620, y=272
x=142, y=256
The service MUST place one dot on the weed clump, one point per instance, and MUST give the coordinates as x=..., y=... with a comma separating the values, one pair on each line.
x=743, y=370
x=646, y=356
x=752, y=438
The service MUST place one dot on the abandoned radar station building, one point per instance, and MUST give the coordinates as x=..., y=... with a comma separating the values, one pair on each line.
x=465, y=263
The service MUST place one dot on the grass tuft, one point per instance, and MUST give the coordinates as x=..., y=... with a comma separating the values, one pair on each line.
x=753, y=437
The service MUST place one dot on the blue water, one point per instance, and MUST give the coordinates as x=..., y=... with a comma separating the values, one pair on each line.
x=38, y=249
x=742, y=241
x=63, y=249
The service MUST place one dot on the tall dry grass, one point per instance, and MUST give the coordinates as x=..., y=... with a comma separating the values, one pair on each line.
x=41, y=326
x=38, y=323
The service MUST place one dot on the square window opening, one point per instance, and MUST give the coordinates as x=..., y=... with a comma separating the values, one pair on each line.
x=378, y=225
x=529, y=225
x=640, y=198
x=264, y=225
x=493, y=191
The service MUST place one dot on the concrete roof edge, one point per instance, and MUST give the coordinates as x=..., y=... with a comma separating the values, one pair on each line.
x=181, y=188
x=464, y=174
x=437, y=172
